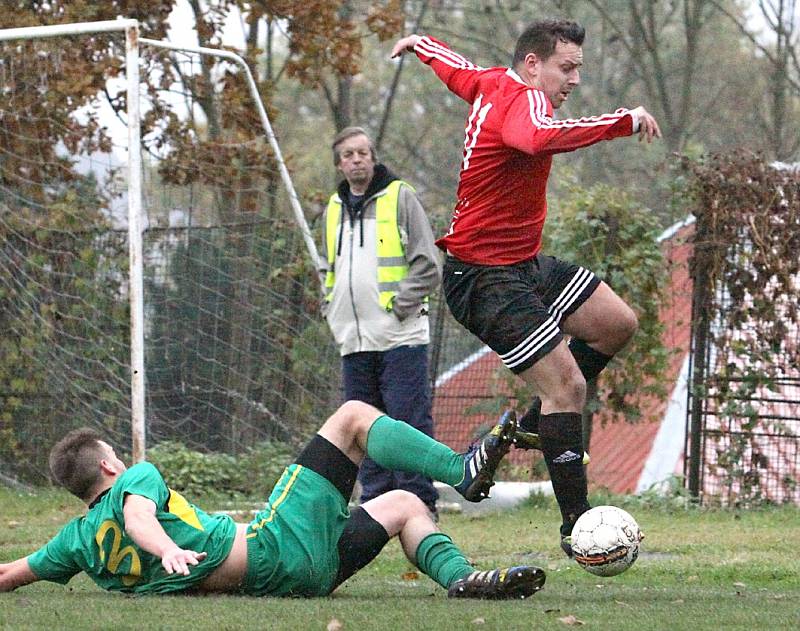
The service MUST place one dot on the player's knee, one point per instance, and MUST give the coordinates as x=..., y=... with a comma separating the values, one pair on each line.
x=354, y=412
x=408, y=503
x=570, y=395
x=629, y=323
x=575, y=390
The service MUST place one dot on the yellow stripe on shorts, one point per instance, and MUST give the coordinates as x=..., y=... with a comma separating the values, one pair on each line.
x=278, y=502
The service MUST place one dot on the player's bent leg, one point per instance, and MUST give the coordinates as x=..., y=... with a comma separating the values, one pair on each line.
x=360, y=542
x=562, y=386
x=435, y=554
x=396, y=445
x=347, y=428
x=604, y=321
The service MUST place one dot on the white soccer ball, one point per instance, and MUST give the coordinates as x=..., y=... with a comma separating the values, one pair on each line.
x=605, y=540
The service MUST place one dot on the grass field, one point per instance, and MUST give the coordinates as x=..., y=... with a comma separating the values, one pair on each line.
x=700, y=569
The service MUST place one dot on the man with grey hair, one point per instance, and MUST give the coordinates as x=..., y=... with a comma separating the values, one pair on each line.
x=382, y=265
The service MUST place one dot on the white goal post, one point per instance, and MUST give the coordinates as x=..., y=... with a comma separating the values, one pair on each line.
x=135, y=210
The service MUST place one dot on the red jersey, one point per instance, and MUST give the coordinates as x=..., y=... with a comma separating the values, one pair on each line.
x=510, y=138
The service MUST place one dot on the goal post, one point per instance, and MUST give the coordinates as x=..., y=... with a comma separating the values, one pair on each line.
x=135, y=286
x=223, y=347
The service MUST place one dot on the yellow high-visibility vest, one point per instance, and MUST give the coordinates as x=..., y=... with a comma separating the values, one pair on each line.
x=392, y=266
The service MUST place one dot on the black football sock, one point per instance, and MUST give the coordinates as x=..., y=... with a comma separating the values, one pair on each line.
x=562, y=446
x=529, y=422
x=590, y=361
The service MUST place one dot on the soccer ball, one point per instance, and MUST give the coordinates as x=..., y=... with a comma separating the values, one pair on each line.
x=605, y=540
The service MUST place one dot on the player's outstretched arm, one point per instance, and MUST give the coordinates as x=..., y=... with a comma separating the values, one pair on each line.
x=16, y=574
x=405, y=45
x=145, y=530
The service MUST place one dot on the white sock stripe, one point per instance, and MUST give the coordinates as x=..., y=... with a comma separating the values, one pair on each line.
x=570, y=293
x=536, y=340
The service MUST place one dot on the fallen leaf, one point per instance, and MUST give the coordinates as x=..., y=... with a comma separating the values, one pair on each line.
x=624, y=604
x=479, y=621
x=13, y=524
x=410, y=576
x=739, y=585
x=679, y=601
x=571, y=621
x=334, y=625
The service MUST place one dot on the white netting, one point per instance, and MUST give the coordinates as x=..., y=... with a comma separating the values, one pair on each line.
x=235, y=352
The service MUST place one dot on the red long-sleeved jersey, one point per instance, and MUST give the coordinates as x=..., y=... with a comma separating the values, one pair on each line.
x=510, y=138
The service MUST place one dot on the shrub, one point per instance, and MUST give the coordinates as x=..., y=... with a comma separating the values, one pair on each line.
x=251, y=475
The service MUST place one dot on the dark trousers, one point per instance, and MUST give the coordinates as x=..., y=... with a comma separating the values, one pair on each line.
x=396, y=382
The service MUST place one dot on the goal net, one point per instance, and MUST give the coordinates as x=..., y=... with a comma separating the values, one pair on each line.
x=234, y=351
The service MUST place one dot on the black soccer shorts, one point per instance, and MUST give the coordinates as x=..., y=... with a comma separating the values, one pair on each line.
x=517, y=309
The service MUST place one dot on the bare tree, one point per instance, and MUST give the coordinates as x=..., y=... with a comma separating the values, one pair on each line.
x=778, y=47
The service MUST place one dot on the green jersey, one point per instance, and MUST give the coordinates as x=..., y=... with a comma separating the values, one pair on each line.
x=98, y=544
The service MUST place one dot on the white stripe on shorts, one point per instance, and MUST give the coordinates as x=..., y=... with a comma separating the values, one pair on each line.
x=570, y=293
x=531, y=344
x=549, y=328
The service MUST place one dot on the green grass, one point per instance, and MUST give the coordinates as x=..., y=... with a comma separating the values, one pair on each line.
x=700, y=569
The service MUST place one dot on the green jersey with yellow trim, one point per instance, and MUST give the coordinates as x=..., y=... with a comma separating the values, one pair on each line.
x=98, y=544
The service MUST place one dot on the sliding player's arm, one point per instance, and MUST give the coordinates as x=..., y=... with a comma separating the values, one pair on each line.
x=16, y=574
x=143, y=527
x=458, y=73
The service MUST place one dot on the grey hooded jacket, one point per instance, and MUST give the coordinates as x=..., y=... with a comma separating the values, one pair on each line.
x=354, y=314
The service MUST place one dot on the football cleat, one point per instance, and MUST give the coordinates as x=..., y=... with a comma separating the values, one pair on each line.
x=527, y=440
x=502, y=584
x=566, y=531
x=566, y=545
x=483, y=457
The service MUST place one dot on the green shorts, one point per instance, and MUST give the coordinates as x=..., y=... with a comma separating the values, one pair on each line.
x=292, y=543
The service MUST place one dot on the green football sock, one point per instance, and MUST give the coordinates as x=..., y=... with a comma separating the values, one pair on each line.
x=396, y=445
x=440, y=559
